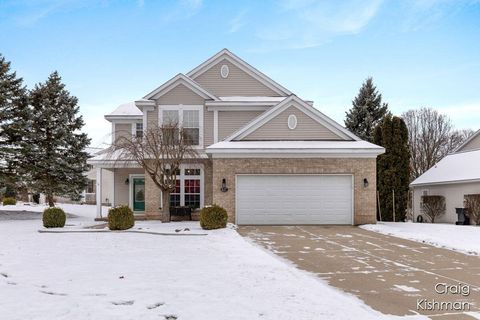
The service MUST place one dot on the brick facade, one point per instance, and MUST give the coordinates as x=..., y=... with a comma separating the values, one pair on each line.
x=152, y=192
x=364, y=198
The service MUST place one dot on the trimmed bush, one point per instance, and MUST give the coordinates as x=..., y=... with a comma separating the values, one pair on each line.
x=120, y=218
x=54, y=218
x=213, y=217
x=9, y=201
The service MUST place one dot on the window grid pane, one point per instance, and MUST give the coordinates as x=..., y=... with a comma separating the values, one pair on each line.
x=191, y=119
x=170, y=117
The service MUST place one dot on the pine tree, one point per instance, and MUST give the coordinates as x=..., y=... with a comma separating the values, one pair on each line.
x=393, y=167
x=367, y=111
x=55, y=153
x=13, y=124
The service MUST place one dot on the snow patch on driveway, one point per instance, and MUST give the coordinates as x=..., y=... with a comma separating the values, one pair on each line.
x=465, y=239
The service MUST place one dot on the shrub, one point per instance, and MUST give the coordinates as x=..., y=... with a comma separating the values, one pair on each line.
x=213, y=217
x=433, y=206
x=54, y=218
x=9, y=201
x=36, y=198
x=120, y=218
x=472, y=206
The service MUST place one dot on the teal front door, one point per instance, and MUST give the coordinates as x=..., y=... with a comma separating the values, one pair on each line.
x=138, y=194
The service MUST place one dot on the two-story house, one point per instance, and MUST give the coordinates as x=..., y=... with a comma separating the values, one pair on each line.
x=267, y=156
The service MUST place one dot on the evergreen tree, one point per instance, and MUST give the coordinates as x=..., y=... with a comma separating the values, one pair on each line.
x=367, y=111
x=55, y=151
x=13, y=124
x=393, y=167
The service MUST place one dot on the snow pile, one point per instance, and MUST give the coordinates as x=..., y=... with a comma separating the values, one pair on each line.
x=465, y=239
x=143, y=276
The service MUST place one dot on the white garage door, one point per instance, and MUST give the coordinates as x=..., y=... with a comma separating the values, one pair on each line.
x=294, y=199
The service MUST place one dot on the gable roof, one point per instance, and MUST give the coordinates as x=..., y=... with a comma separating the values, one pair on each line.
x=244, y=66
x=295, y=101
x=177, y=80
x=471, y=138
x=454, y=168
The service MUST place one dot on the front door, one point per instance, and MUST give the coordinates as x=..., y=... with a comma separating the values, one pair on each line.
x=138, y=194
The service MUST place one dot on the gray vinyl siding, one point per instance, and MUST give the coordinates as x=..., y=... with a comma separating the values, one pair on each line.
x=180, y=95
x=152, y=118
x=231, y=121
x=472, y=144
x=307, y=128
x=123, y=130
x=120, y=188
x=238, y=83
x=207, y=128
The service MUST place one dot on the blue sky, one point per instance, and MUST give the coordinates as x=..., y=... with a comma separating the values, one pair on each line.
x=420, y=53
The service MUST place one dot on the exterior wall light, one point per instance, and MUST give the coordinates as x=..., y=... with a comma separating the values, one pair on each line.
x=365, y=182
x=224, y=185
x=127, y=181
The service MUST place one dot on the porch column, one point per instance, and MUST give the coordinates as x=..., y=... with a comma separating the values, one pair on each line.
x=98, y=192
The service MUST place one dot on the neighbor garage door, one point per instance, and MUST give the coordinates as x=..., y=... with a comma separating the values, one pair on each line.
x=294, y=199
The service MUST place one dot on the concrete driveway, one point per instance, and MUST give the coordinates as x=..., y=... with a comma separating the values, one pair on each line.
x=392, y=275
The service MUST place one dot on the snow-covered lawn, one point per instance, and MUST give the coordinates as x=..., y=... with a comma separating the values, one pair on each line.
x=145, y=276
x=465, y=239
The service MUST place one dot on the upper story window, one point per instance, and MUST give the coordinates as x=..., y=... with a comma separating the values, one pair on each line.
x=139, y=129
x=189, y=118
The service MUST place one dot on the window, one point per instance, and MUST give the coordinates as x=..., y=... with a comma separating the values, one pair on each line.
x=189, y=118
x=188, y=190
x=191, y=126
x=91, y=186
x=139, y=130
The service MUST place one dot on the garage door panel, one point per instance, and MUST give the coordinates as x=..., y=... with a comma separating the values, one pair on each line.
x=294, y=199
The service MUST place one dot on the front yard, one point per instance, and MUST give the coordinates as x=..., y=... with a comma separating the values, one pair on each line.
x=147, y=276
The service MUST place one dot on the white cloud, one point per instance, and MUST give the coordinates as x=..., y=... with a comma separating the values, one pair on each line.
x=309, y=23
x=237, y=22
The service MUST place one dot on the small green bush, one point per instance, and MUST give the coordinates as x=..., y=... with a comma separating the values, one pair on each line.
x=54, y=218
x=213, y=217
x=120, y=218
x=9, y=201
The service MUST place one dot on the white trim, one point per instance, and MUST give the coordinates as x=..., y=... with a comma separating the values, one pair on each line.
x=182, y=107
x=213, y=104
x=145, y=121
x=302, y=106
x=215, y=126
x=238, y=108
x=182, y=183
x=130, y=190
x=473, y=136
x=417, y=185
x=242, y=65
x=297, y=174
x=113, y=132
x=98, y=195
x=177, y=80
x=292, y=122
x=296, y=155
x=122, y=118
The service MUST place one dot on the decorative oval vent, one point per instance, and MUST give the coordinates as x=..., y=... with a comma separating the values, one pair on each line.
x=224, y=71
x=292, y=122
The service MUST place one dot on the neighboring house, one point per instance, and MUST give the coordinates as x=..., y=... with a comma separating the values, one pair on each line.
x=453, y=177
x=267, y=156
x=89, y=194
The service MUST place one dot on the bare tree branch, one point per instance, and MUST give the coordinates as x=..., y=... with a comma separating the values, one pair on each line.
x=159, y=151
x=431, y=137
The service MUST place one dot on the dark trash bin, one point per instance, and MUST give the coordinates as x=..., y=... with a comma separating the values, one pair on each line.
x=463, y=218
